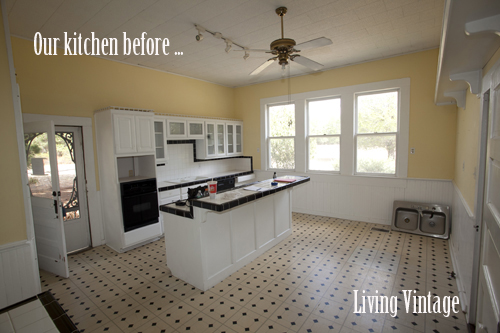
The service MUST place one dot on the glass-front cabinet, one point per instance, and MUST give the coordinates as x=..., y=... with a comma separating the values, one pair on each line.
x=195, y=129
x=160, y=140
x=234, y=138
x=210, y=141
x=176, y=128
x=221, y=139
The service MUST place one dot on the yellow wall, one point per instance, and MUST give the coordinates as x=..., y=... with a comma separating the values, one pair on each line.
x=468, y=123
x=12, y=222
x=432, y=128
x=79, y=85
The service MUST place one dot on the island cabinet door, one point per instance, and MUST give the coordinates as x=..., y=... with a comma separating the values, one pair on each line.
x=282, y=212
x=243, y=231
x=216, y=240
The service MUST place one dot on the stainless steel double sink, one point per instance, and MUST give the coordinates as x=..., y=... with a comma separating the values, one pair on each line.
x=422, y=218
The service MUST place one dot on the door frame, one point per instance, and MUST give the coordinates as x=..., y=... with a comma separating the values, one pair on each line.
x=93, y=199
x=480, y=188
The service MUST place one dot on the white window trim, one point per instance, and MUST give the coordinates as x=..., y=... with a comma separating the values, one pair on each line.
x=347, y=149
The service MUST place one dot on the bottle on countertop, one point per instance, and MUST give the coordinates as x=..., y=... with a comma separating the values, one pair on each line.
x=274, y=176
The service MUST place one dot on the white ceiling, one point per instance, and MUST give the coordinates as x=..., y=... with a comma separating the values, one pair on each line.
x=361, y=30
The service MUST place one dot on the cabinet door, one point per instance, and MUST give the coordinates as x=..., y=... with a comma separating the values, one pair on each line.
x=195, y=129
x=211, y=138
x=230, y=139
x=160, y=140
x=221, y=139
x=238, y=139
x=176, y=128
x=144, y=134
x=124, y=132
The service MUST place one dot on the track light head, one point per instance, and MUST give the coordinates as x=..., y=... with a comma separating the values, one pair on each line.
x=229, y=45
x=199, y=37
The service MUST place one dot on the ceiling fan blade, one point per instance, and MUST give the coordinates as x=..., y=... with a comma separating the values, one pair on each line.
x=313, y=43
x=263, y=66
x=307, y=62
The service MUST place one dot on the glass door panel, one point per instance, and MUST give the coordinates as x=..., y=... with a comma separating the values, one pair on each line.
x=220, y=139
x=210, y=139
x=230, y=139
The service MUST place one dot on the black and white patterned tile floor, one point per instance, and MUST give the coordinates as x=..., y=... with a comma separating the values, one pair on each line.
x=304, y=284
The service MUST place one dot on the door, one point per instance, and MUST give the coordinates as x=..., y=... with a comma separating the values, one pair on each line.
x=71, y=169
x=488, y=293
x=221, y=138
x=46, y=197
x=238, y=146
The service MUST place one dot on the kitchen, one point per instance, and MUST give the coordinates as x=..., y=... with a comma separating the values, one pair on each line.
x=441, y=169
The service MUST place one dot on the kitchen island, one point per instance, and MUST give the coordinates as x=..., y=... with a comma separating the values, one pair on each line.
x=208, y=240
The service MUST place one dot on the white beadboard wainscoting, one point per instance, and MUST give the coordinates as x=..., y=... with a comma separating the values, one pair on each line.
x=359, y=198
x=462, y=246
x=19, y=278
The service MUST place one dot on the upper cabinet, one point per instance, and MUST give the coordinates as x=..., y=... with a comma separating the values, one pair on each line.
x=221, y=139
x=234, y=138
x=176, y=128
x=160, y=140
x=133, y=132
x=196, y=129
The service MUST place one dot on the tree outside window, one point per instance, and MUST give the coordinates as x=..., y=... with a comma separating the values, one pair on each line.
x=377, y=126
x=281, y=122
x=324, y=134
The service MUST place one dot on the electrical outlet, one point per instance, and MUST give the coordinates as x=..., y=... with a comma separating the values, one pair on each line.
x=412, y=150
x=131, y=173
x=258, y=150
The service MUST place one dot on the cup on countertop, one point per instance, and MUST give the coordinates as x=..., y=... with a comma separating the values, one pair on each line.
x=212, y=189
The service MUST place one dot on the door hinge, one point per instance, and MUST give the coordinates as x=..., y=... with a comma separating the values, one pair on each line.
x=477, y=228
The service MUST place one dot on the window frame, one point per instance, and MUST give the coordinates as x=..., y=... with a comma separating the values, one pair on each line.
x=347, y=93
x=356, y=134
x=309, y=136
x=269, y=138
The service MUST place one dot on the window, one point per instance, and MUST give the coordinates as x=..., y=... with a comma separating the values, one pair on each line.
x=281, y=122
x=323, y=141
x=359, y=130
x=376, y=132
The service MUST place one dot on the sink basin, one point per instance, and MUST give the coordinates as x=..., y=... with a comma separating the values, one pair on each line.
x=406, y=219
x=433, y=222
x=421, y=218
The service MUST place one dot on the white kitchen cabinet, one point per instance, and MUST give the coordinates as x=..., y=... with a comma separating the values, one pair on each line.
x=221, y=139
x=125, y=142
x=144, y=132
x=214, y=144
x=132, y=133
x=176, y=128
x=196, y=129
x=160, y=140
x=234, y=137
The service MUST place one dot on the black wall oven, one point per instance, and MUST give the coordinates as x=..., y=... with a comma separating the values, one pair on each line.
x=139, y=203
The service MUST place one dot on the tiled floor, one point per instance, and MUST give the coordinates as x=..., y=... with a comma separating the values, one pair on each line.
x=27, y=318
x=304, y=284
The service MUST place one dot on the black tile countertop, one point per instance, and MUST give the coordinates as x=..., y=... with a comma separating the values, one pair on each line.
x=232, y=198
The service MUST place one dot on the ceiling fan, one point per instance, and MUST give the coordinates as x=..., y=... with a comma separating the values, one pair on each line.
x=285, y=49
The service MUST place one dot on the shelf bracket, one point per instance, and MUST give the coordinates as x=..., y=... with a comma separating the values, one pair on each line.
x=485, y=24
x=459, y=96
x=473, y=78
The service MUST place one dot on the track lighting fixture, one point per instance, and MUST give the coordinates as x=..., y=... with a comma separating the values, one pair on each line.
x=218, y=35
x=199, y=36
x=229, y=45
